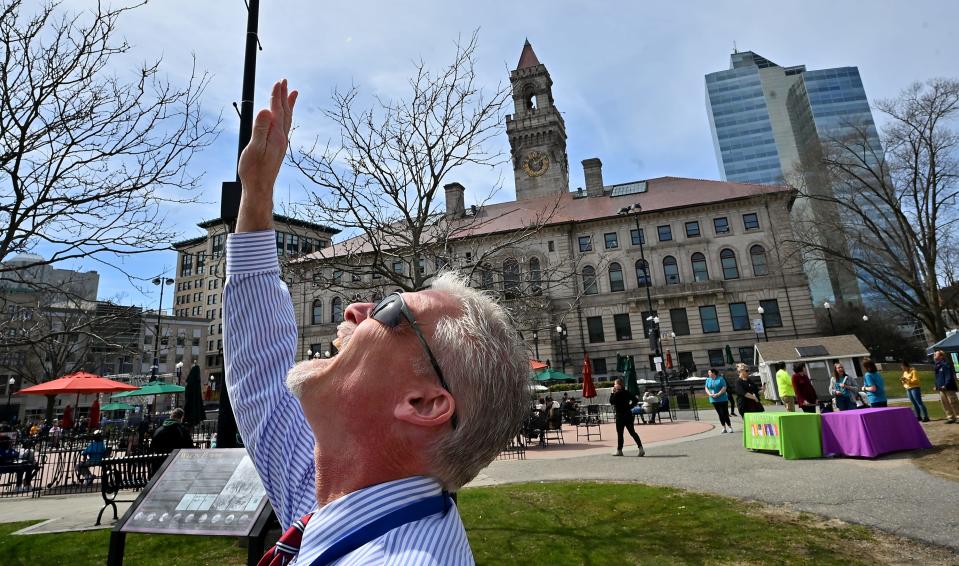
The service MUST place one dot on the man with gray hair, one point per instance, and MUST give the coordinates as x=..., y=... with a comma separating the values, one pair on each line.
x=358, y=476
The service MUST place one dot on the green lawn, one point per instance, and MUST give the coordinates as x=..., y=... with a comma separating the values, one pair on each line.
x=546, y=523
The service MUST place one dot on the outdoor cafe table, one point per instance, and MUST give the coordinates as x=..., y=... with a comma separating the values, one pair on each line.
x=871, y=432
x=793, y=435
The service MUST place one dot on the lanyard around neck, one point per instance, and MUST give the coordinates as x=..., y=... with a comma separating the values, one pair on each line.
x=373, y=530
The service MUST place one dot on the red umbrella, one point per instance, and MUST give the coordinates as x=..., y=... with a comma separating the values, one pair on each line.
x=95, y=415
x=669, y=360
x=537, y=365
x=589, y=390
x=67, y=420
x=80, y=383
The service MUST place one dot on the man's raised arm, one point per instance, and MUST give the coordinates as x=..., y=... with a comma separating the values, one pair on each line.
x=260, y=328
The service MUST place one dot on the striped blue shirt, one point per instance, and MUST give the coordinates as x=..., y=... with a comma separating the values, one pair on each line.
x=259, y=334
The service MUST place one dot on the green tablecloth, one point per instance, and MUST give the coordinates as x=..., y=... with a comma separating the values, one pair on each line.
x=793, y=435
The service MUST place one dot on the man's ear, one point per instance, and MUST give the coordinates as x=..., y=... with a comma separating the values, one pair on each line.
x=425, y=406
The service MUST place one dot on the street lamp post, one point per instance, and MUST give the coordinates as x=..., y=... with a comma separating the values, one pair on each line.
x=828, y=308
x=636, y=210
x=865, y=318
x=179, y=373
x=10, y=383
x=675, y=347
x=536, y=343
x=563, y=336
x=762, y=315
x=155, y=368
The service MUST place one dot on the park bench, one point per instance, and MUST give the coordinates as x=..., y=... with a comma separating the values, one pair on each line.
x=125, y=473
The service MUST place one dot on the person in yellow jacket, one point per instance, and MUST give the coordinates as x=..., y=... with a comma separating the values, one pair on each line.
x=913, y=386
x=784, y=383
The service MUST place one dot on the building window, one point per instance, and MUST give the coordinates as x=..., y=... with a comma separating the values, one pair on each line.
x=637, y=237
x=727, y=258
x=692, y=229
x=612, y=240
x=186, y=265
x=739, y=316
x=746, y=354
x=685, y=360
x=306, y=245
x=292, y=244
x=679, y=321
x=642, y=273
x=317, y=312
x=623, y=329
x=421, y=266
x=486, y=277
x=757, y=256
x=721, y=225
x=336, y=310
x=218, y=240
x=599, y=366
x=595, y=326
x=716, y=359
x=671, y=270
x=281, y=243
x=709, y=319
x=771, y=316
x=551, y=246
x=585, y=244
x=397, y=267
x=665, y=233
x=616, y=282
x=535, y=275
x=201, y=263
x=511, y=278
x=589, y=281
x=751, y=221
x=700, y=270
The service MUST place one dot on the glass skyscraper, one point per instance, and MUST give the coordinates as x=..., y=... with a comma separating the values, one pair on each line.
x=766, y=119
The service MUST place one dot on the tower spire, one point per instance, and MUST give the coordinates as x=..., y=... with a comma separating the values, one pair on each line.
x=528, y=57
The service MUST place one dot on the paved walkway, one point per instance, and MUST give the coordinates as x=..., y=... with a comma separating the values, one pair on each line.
x=888, y=493
x=58, y=513
x=649, y=434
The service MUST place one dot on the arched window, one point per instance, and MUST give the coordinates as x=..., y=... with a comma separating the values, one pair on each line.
x=616, y=282
x=730, y=268
x=535, y=275
x=671, y=270
x=336, y=310
x=317, y=312
x=700, y=271
x=589, y=281
x=486, y=277
x=642, y=273
x=757, y=255
x=510, y=278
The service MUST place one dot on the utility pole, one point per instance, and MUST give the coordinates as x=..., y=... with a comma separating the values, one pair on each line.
x=226, y=431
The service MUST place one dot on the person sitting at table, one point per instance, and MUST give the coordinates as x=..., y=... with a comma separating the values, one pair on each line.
x=873, y=385
x=844, y=388
x=805, y=392
x=785, y=386
x=716, y=389
x=946, y=386
x=28, y=460
x=650, y=407
x=93, y=455
x=913, y=386
x=747, y=392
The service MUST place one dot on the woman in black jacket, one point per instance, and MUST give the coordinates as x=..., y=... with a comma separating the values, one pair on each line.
x=747, y=393
x=623, y=401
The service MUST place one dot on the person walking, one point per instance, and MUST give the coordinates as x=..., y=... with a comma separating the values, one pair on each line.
x=716, y=389
x=844, y=388
x=784, y=384
x=913, y=386
x=747, y=392
x=873, y=385
x=623, y=402
x=805, y=392
x=946, y=386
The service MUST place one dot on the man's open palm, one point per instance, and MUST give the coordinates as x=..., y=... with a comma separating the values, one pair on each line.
x=261, y=159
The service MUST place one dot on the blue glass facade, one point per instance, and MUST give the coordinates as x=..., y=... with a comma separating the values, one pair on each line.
x=839, y=105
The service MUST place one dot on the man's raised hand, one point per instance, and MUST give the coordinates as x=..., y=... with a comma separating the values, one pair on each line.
x=261, y=159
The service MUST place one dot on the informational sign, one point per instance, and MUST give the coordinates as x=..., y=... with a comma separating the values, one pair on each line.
x=200, y=492
x=758, y=325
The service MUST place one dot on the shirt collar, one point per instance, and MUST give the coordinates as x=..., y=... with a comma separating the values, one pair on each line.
x=332, y=521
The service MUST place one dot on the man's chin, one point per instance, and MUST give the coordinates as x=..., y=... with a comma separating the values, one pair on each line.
x=303, y=373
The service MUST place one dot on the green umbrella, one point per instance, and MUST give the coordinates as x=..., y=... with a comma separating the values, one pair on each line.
x=116, y=407
x=630, y=374
x=153, y=388
x=550, y=374
x=729, y=355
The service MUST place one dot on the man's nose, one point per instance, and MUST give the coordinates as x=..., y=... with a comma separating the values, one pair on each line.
x=358, y=312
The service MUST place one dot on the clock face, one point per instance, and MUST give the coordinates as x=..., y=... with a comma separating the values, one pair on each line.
x=536, y=163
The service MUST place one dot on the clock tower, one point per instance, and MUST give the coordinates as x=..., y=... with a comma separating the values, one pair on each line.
x=537, y=133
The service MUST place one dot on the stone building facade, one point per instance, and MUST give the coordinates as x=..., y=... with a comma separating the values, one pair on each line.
x=713, y=249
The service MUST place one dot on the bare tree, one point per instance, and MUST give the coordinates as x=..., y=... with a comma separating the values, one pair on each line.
x=383, y=184
x=886, y=214
x=87, y=158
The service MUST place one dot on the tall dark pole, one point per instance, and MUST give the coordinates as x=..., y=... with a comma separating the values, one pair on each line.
x=226, y=435
x=155, y=369
x=828, y=308
x=536, y=343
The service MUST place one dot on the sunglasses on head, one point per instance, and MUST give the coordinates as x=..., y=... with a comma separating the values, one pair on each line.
x=390, y=312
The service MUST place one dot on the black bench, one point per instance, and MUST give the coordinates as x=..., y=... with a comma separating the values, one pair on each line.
x=125, y=473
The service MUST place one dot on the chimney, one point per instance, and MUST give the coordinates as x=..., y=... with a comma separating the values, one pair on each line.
x=593, y=171
x=455, y=205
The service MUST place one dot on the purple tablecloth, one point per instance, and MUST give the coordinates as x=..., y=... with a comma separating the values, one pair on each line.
x=871, y=432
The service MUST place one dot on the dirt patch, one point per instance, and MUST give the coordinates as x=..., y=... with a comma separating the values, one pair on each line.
x=943, y=459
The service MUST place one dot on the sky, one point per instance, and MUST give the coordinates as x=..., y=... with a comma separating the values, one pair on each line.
x=628, y=76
